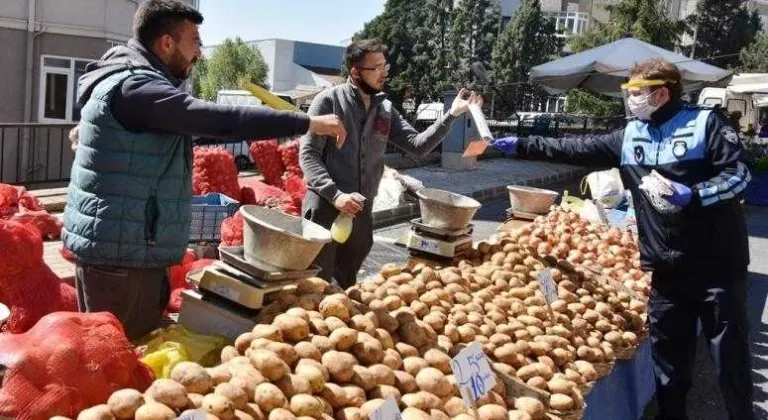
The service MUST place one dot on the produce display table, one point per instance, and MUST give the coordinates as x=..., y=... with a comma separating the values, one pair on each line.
x=624, y=393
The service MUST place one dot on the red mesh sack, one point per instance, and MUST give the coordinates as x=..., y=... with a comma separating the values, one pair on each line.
x=296, y=187
x=214, y=171
x=266, y=154
x=66, y=363
x=180, y=283
x=47, y=224
x=289, y=153
x=27, y=286
x=256, y=192
x=67, y=254
x=9, y=201
x=28, y=201
x=232, y=230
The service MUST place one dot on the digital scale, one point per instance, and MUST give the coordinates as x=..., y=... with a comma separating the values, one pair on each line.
x=443, y=243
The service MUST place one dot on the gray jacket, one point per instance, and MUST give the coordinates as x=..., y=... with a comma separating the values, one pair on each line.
x=359, y=164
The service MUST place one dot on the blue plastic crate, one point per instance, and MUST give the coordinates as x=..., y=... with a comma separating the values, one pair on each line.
x=208, y=211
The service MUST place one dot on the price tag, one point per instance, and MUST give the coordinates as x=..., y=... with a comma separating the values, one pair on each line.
x=388, y=410
x=194, y=415
x=473, y=373
x=225, y=291
x=548, y=286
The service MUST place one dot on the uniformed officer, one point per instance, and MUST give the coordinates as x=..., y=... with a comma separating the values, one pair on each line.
x=683, y=167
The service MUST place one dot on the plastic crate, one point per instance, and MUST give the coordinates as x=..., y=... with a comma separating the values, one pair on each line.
x=208, y=211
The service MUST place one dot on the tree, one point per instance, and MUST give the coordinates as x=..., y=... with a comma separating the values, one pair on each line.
x=198, y=74
x=721, y=29
x=231, y=62
x=754, y=57
x=646, y=20
x=475, y=26
x=529, y=39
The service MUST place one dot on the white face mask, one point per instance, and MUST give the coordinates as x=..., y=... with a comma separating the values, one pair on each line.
x=640, y=106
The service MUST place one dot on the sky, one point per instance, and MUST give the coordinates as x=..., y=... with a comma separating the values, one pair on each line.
x=319, y=21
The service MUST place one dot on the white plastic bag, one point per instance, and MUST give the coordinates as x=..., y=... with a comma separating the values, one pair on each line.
x=605, y=186
x=590, y=212
x=390, y=191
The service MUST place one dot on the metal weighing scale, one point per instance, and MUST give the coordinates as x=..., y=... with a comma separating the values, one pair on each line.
x=442, y=243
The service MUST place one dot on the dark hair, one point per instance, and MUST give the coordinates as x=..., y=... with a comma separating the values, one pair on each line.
x=155, y=18
x=357, y=51
x=660, y=69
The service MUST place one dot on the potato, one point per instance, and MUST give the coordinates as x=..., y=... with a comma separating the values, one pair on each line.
x=406, y=350
x=414, y=365
x=335, y=395
x=292, y=385
x=531, y=406
x=492, y=412
x=385, y=338
x=421, y=400
x=168, y=392
x=220, y=406
x=363, y=324
x=560, y=386
x=537, y=382
x=334, y=306
x=454, y=406
x=318, y=326
x=384, y=391
x=367, y=350
x=343, y=338
x=405, y=382
x=561, y=402
x=281, y=414
x=270, y=332
x=195, y=400
x=339, y=365
x=155, y=411
x=519, y=415
x=363, y=378
x=313, y=375
x=306, y=350
x=438, y=360
x=235, y=394
x=355, y=395
x=630, y=338
x=269, y=364
x=99, y=412
x=392, y=359
x=382, y=374
x=219, y=374
x=586, y=369
x=433, y=381
x=534, y=369
x=412, y=413
x=323, y=344
x=230, y=352
x=306, y=405
x=269, y=397
x=350, y=413
x=192, y=376
x=292, y=328
x=125, y=402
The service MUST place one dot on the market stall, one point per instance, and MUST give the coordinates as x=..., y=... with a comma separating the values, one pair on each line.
x=543, y=321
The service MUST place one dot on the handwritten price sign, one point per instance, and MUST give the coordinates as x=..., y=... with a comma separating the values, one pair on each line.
x=473, y=373
x=387, y=410
x=548, y=286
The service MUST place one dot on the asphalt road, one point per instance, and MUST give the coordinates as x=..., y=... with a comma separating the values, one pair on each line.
x=704, y=402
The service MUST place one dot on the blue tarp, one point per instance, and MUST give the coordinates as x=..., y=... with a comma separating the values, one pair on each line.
x=624, y=393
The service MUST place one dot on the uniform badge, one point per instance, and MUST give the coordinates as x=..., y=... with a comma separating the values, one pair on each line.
x=639, y=154
x=730, y=134
x=679, y=149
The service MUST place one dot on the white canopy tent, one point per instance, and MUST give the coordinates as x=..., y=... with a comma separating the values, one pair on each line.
x=603, y=69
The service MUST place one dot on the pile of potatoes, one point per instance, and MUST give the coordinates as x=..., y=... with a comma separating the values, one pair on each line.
x=564, y=234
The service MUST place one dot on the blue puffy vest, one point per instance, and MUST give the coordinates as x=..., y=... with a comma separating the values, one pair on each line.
x=128, y=203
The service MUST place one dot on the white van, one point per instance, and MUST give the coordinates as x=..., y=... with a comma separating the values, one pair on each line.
x=746, y=93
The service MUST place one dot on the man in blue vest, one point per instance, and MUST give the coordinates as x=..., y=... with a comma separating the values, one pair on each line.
x=128, y=204
x=683, y=167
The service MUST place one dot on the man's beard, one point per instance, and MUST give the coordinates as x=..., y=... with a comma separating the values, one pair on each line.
x=365, y=87
x=180, y=67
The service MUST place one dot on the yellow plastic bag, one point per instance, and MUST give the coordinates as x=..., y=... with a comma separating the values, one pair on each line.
x=165, y=348
x=571, y=203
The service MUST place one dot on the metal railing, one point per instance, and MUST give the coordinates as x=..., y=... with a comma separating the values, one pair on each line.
x=35, y=155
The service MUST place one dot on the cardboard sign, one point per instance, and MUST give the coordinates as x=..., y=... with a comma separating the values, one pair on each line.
x=482, y=126
x=476, y=148
x=548, y=285
x=388, y=410
x=473, y=373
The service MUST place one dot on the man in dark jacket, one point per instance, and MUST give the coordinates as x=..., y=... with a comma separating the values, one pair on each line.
x=128, y=205
x=683, y=167
x=347, y=179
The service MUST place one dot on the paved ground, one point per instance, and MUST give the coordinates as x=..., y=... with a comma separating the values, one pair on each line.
x=705, y=402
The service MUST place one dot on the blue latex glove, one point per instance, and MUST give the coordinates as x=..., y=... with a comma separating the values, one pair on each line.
x=506, y=145
x=681, y=195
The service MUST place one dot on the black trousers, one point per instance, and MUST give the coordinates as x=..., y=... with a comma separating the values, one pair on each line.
x=341, y=262
x=137, y=297
x=717, y=298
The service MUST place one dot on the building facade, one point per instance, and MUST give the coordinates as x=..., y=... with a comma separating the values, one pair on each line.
x=47, y=44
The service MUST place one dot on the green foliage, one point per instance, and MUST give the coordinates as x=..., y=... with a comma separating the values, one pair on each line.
x=722, y=28
x=472, y=37
x=586, y=102
x=754, y=57
x=231, y=62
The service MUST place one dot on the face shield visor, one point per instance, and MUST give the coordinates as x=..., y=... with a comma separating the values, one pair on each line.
x=638, y=94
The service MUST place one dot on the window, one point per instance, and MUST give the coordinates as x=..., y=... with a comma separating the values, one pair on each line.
x=58, y=88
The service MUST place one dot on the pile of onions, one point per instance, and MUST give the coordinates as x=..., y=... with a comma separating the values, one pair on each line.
x=611, y=251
